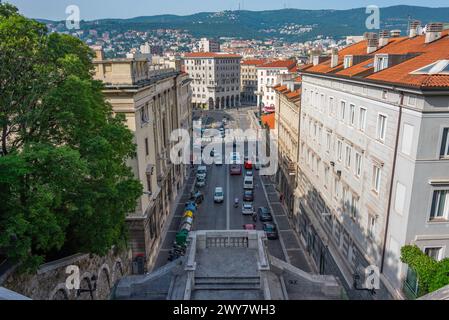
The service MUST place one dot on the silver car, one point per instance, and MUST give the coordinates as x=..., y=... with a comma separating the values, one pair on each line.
x=248, y=209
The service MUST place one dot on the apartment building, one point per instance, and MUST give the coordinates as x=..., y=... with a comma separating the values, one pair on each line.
x=374, y=156
x=215, y=79
x=248, y=80
x=287, y=125
x=208, y=45
x=154, y=102
x=268, y=75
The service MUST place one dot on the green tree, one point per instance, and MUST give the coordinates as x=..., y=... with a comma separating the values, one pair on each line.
x=64, y=183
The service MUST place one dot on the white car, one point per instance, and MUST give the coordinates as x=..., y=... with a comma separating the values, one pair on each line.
x=218, y=195
x=248, y=209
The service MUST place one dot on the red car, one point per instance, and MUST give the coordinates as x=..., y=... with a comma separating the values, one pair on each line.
x=248, y=165
x=249, y=226
x=236, y=170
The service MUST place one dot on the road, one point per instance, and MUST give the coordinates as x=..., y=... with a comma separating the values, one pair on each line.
x=213, y=216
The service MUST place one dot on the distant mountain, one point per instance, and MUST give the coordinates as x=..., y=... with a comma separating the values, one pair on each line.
x=288, y=24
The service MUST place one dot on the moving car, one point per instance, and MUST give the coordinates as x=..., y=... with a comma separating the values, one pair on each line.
x=248, y=195
x=247, y=209
x=248, y=183
x=200, y=182
x=201, y=172
x=235, y=169
x=218, y=195
x=271, y=231
x=248, y=165
x=249, y=226
x=249, y=173
x=264, y=214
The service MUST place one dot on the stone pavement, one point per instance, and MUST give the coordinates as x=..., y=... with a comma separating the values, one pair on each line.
x=296, y=253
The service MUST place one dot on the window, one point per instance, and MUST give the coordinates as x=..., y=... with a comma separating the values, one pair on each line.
x=440, y=205
x=385, y=94
x=328, y=142
x=336, y=188
x=372, y=226
x=354, y=206
x=362, y=119
x=348, y=61
x=326, y=176
x=411, y=100
x=331, y=105
x=352, y=114
x=434, y=253
x=377, y=173
x=444, y=151
x=339, y=150
x=381, y=127
x=342, y=110
x=380, y=63
x=147, y=151
x=358, y=164
x=407, y=139
x=144, y=114
x=348, y=156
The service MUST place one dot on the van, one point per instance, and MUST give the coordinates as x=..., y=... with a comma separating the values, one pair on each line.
x=201, y=172
x=248, y=183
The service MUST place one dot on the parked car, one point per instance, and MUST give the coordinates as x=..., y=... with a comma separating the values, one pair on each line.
x=249, y=226
x=264, y=214
x=201, y=172
x=248, y=195
x=197, y=197
x=218, y=195
x=200, y=182
x=235, y=169
x=271, y=231
x=247, y=209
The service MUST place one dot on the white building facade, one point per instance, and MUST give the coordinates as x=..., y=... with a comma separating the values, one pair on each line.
x=215, y=79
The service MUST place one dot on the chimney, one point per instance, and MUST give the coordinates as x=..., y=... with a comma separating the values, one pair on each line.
x=373, y=42
x=384, y=38
x=414, y=25
x=395, y=33
x=315, y=56
x=334, y=57
x=433, y=32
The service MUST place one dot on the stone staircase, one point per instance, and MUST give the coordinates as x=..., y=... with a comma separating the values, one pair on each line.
x=227, y=283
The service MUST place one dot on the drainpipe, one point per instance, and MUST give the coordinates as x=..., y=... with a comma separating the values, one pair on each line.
x=390, y=195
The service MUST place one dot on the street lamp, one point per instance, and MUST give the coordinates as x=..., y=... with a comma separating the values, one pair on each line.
x=260, y=95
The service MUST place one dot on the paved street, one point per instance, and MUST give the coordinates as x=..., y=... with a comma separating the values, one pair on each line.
x=224, y=216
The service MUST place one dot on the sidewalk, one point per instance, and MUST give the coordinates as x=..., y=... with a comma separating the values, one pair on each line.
x=173, y=222
x=296, y=253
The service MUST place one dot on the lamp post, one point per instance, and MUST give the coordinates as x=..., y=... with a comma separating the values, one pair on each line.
x=260, y=95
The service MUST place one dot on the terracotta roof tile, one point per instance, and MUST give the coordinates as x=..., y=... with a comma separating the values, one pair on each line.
x=211, y=55
x=269, y=119
x=254, y=62
x=425, y=54
x=279, y=64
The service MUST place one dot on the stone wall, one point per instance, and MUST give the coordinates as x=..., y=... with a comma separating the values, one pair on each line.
x=98, y=275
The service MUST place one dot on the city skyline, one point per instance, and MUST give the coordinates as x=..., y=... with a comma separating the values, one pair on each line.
x=55, y=9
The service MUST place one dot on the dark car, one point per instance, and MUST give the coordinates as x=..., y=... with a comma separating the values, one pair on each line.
x=235, y=170
x=264, y=214
x=271, y=231
x=248, y=195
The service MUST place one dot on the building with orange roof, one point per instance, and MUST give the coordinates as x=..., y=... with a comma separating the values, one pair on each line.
x=374, y=150
x=215, y=79
x=248, y=80
x=268, y=75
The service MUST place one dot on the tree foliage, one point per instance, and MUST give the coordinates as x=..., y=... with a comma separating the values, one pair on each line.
x=64, y=183
x=432, y=274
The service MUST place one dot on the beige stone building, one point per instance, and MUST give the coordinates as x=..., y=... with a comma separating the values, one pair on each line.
x=154, y=102
x=248, y=80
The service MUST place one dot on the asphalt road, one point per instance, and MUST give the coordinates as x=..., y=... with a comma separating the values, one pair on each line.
x=223, y=216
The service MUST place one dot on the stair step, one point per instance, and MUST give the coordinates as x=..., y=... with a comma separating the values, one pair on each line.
x=235, y=286
x=223, y=280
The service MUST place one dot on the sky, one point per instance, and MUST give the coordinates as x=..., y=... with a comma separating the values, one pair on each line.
x=98, y=9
